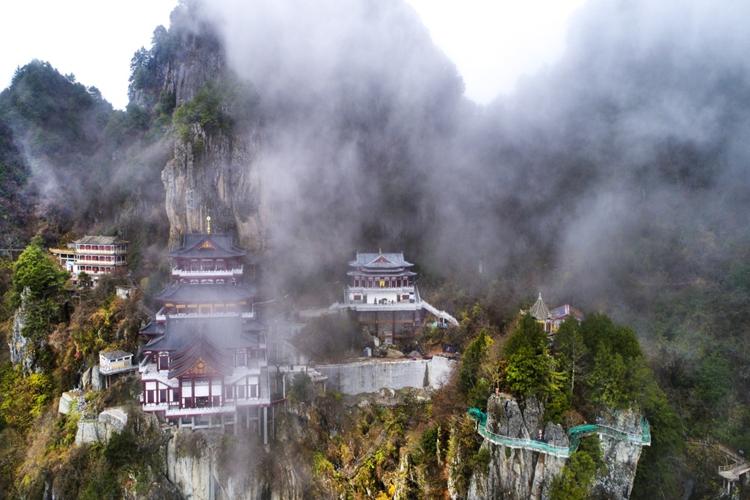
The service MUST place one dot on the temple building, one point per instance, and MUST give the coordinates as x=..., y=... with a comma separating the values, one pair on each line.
x=552, y=319
x=383, y=296
x=205, y=359
x=94, y=255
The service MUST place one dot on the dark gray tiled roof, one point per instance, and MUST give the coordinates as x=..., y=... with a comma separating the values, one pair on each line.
x=380, y=260
x=231, y=332
x=207, y=246
x=153, y=328
x=206, y=293
x=200, y=349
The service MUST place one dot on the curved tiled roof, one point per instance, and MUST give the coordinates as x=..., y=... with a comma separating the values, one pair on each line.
x=206, y=293
x=201, y=349
x=380, y=260
x=153, y=328
x=229, y=332
x=207, y=246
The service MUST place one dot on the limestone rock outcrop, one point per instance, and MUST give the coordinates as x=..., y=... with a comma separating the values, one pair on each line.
x=518, y=473
x=522, y=474
x=620, y=457
x=21, y=348
x=217, y=179
x=199, y=472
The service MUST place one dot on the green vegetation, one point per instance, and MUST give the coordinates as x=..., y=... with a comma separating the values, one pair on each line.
x=209, y=111
x=37, y=274
x=472, y=381
x=204, y=110
x=61, y=344
x=301, y=389
x=531, y=370
x=578, y=475
x=23, y=398
x=37, y=287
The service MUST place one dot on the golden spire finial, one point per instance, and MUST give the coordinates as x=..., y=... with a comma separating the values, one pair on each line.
x=208, y=224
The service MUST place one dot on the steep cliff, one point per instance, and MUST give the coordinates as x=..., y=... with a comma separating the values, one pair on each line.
x=22, y=349
x=184, y=77
x=522, y=473
x=518, y=473
x=620, y=457
x=284, y=152
x=216, y=179
x=205, y=466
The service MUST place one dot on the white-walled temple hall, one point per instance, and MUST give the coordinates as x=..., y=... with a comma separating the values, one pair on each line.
x=384, y=298
x=93, y=255
x=205, y=361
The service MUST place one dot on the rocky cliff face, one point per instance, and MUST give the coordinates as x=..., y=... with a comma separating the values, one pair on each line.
x=217, y=179
x=21, y=348
x=518, y=473
x=210, y=171
x=199, y=471
x=620, y=457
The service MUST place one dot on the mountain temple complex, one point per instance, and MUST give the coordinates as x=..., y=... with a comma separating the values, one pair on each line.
x=383, y=296
x=205, y=360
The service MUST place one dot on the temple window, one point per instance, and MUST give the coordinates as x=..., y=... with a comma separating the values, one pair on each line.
x=163, y=361
x=240, y=358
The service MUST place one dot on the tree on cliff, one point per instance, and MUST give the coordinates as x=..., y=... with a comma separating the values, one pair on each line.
x=37, y=287
x=578, y=475
x=36, y=274
x=472, y=380
x=571, y=350
x=530, y=369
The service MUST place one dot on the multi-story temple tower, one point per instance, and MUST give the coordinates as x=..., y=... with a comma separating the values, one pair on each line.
x=205, y=360
x=383, y=295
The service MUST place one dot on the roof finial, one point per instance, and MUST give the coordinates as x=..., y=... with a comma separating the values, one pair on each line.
x=540, y=293
x=208, y=224
x=380, y=251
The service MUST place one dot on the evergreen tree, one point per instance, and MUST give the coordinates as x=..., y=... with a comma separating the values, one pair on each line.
x=571, y=350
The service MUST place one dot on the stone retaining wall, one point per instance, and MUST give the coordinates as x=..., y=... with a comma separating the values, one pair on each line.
x=374, y=374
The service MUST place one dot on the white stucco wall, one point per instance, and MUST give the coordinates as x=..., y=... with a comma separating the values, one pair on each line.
x=374, y=374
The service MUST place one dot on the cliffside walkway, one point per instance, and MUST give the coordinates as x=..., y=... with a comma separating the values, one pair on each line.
x=574, y=435
x=441, y=315
x=734, y=470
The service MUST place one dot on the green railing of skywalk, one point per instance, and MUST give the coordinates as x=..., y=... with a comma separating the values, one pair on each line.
x=574, y=433
x=526, y=444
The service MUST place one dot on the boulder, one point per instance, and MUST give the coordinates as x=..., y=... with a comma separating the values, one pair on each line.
x=69, y=400
x=116, y=418
x=555, y=435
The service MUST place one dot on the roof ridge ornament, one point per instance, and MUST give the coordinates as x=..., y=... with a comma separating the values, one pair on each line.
x=208, y=224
